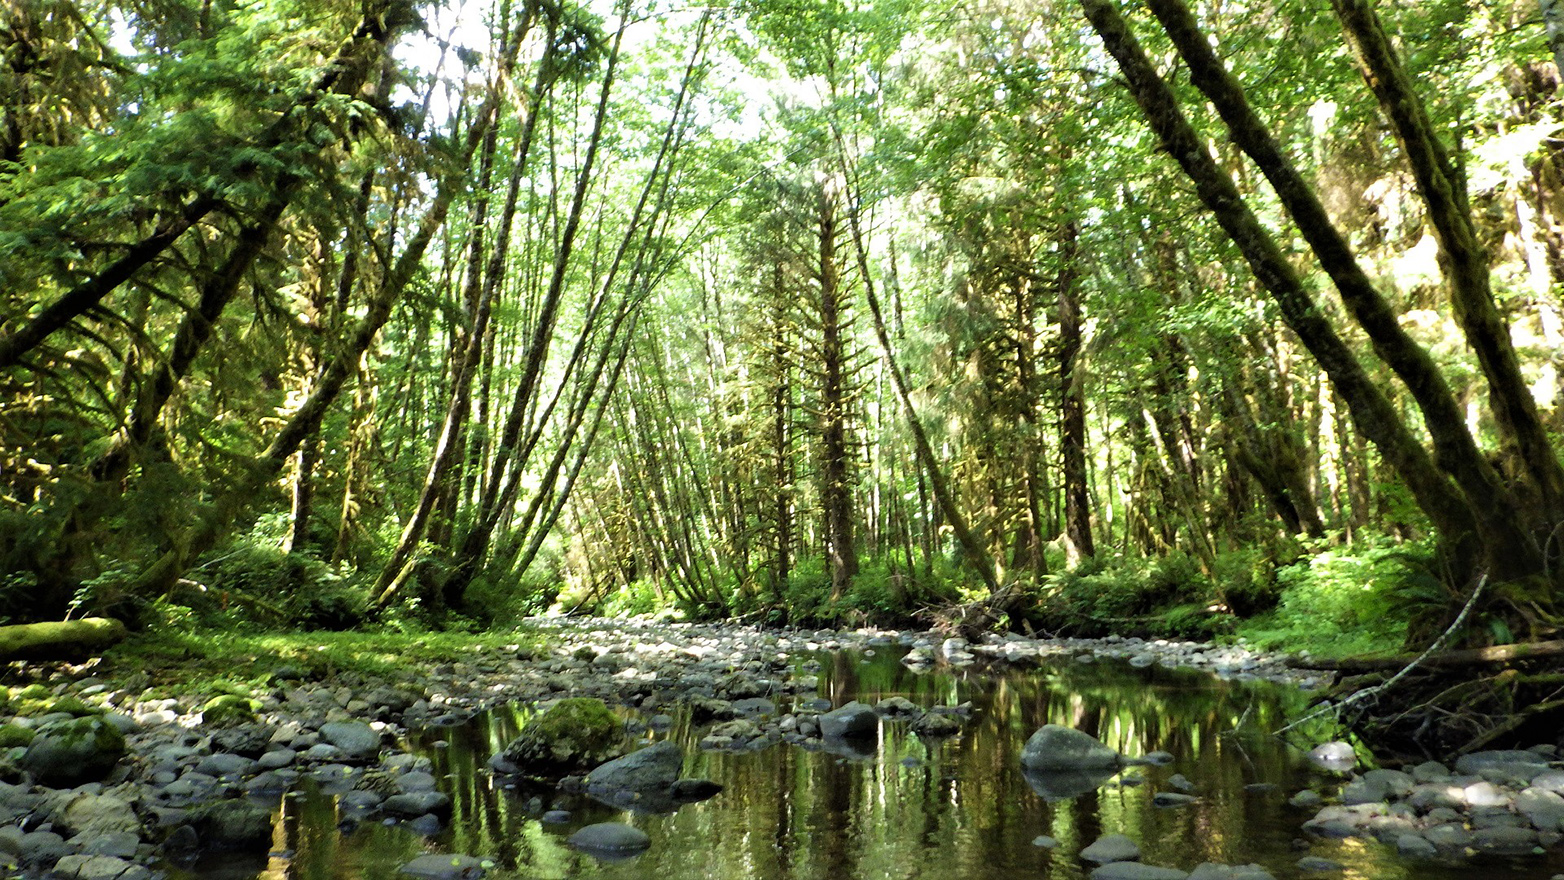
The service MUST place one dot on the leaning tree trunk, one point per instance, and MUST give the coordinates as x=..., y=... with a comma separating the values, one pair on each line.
x=1372, y=411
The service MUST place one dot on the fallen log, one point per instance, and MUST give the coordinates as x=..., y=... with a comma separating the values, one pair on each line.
x=1495, y=655
x=59, y=639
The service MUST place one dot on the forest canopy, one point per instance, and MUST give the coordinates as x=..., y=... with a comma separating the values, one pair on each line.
x=1088, y=316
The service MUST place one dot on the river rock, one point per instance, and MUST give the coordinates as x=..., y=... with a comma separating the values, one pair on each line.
x=1509, y=760
x=652, y=769
x=412, y=804
x=439, y=866
x=1213, y=871
x=936, y=724
x=1338, y=757
x=573, y=734
x=227, y=710
x=1543, y=808
x=1318, y=865
x=1111, y=848
x=84, y=866
x=356, y=739
x=1504, y=841
x=97, y=814
x=234, y=824
x=610, y=840
x=1136, y=871
x=1054, y=747
x=1415, y=846
x=67, y=753
x=851, y=720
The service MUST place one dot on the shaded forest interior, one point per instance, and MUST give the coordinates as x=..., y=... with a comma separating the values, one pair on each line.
x=1179, y=320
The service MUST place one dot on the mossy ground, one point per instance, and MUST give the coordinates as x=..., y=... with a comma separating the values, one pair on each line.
x=243, y=664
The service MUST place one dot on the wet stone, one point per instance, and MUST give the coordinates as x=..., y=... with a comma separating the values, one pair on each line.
x=1112, y=848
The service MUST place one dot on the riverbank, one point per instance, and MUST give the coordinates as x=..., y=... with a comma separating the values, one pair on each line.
x=198, y=770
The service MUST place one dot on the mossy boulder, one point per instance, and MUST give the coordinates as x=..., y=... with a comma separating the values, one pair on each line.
x=74, y=707
x=574, y=734
x=69, y=753
x=227, y=710
x=13, y=735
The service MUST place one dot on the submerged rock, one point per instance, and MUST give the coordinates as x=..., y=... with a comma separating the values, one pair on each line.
x=610, y=840
x=1112, y=848
x=1136, y=871
x=437, y=866
x=1054, y=747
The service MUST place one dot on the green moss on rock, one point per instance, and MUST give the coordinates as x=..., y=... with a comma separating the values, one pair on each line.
x=228, y=710
x=13, y=735
x=68, y=753
x=574, y=734
x=74, y=707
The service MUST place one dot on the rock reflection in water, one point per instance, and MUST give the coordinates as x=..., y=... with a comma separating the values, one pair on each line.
x=894, y=805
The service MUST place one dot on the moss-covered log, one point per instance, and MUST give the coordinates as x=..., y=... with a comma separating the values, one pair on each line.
x=59, y=639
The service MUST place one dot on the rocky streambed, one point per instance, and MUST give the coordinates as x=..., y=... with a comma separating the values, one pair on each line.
x=103, y=783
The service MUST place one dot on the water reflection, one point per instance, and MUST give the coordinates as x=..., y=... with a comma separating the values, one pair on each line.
x=903, y=807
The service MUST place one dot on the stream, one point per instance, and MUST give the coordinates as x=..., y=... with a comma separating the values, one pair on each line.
x=900, y=807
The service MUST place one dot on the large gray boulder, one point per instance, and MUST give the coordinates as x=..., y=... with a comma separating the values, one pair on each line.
x=1054, y=747
x=652, y=769
x=853, y=719
x=68, y=753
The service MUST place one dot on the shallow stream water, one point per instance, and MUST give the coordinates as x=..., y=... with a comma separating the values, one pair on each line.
x=904, y=808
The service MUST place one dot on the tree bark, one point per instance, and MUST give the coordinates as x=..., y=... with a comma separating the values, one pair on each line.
x=1371, y=410
x=836, y=487
x=1072, y=404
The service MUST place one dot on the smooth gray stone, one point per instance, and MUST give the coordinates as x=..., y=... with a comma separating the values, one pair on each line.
x=851, y=720
x=1111, y=848
x=1307, y=799
x=1415, y=846
x=1214, y=871
x=119, y=844
x=654, y=768
x=1318, y=865
x=225, y=764
x=1044, y=841
x=355, y=738
x=416, y=781
x=1504, y=841
x=1478, y=761
x=97, y=814
x=1053, y=747
x=418, y=803
x=276, y=759
x=1543, y=808
x=1136, y=871
x=439, y=866
x=611, y=839
x=83, y=866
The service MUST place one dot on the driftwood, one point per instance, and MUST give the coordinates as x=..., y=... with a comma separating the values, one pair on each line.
x=1497, y=655
x=59, y=639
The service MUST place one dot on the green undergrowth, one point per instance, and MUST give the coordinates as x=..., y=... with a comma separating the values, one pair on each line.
x=214, y=662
